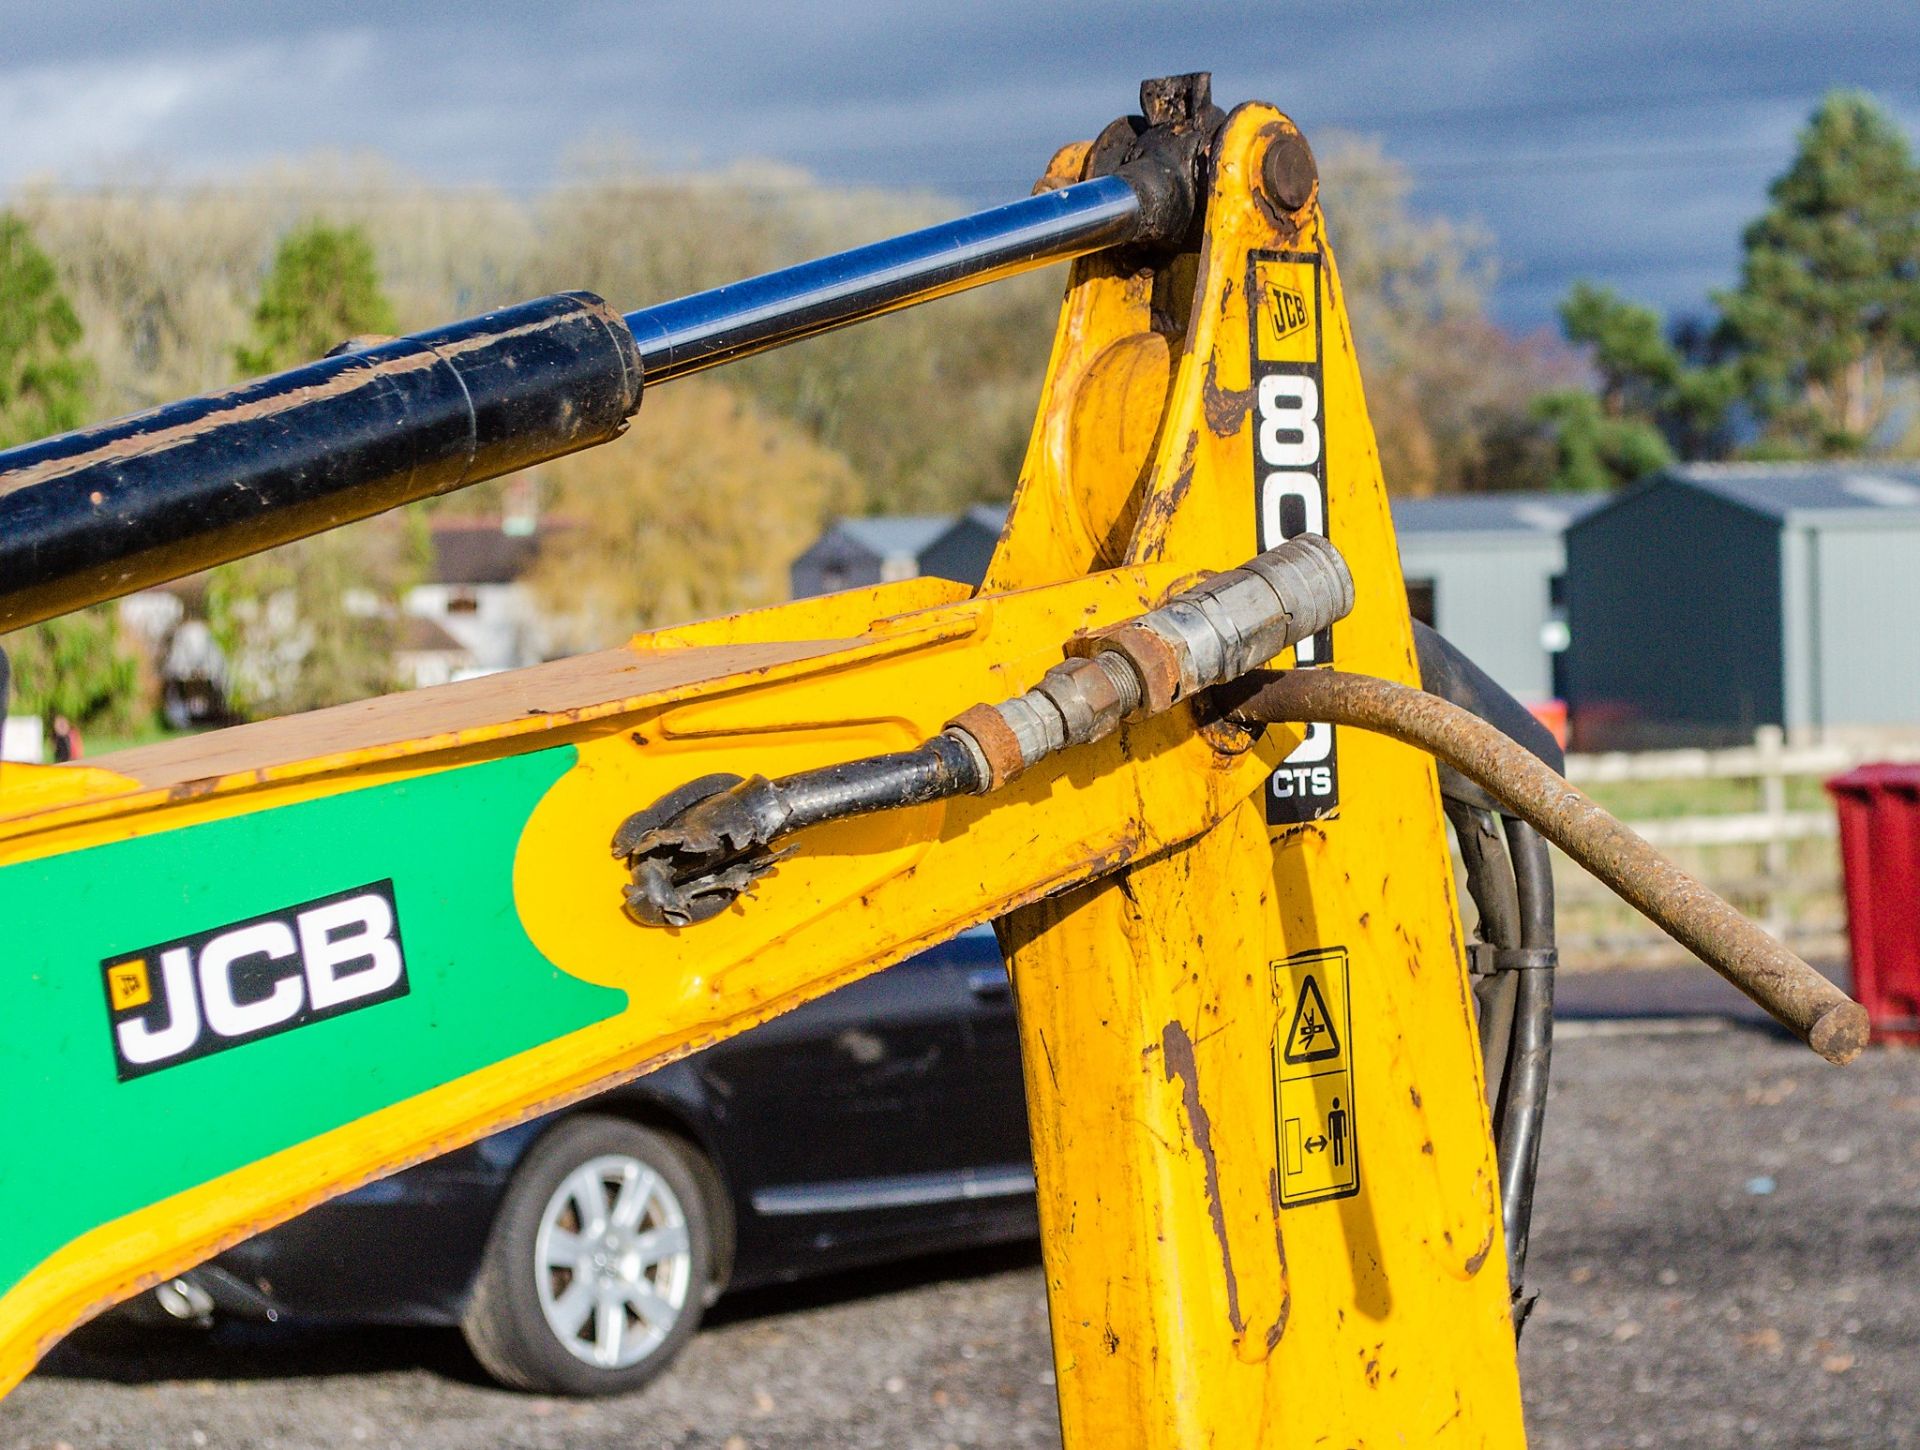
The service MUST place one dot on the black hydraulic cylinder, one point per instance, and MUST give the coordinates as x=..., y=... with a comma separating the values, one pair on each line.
x=104, y=511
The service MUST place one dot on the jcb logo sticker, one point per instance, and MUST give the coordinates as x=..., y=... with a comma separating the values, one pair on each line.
x=1287, y=313
x=238, y=983
x=1290, y=478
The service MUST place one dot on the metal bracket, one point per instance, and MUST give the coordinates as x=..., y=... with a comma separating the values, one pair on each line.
x=1485, y=959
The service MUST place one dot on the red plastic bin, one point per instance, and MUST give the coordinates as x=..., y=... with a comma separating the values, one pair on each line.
x=1879, y=808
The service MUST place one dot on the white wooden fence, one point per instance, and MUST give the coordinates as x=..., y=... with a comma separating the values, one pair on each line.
x=1773, y=852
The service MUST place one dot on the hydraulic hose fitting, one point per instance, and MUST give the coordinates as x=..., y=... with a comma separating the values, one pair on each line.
x=1205, y=636
x=698, y=849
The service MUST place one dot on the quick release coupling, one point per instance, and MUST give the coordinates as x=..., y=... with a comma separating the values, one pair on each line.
x=1205, y=636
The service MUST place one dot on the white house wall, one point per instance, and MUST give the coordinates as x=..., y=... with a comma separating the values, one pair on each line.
x=503, y=631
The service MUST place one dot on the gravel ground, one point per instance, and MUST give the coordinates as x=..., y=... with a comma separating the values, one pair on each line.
x=1726, y=1248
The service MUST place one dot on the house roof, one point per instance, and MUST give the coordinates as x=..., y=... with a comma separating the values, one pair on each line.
x=478, y=551
x=989, y=516
x=426, y=636
x=1493, y=513
x=1783, y=490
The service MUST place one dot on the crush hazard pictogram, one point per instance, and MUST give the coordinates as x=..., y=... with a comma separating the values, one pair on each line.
x=1312, y=1037
x=1315, y=1119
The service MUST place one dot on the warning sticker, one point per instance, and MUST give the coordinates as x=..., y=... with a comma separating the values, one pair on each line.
x=1313, y=1108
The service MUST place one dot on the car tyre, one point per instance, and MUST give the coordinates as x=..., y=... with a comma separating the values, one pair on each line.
x=597, y=1268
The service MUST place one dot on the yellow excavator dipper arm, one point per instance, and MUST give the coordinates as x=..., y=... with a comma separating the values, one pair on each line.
x=269, y=964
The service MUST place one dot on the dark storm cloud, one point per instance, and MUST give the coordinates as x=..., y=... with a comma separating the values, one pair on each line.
x=1625, y=141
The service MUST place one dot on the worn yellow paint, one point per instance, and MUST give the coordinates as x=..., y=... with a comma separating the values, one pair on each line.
x=1148, y=907
x=855, y=898
x=1073, y=506
x=1189, y=1306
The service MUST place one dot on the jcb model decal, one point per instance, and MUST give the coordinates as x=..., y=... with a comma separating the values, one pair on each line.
x=241, y=982
x=1290, y=478
x=1313, y=1110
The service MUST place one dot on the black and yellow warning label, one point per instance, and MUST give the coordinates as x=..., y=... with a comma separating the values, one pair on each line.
x=1290, y=484
x=1313, y=1108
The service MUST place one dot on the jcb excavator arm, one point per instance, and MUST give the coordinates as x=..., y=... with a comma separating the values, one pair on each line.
x=266, y=965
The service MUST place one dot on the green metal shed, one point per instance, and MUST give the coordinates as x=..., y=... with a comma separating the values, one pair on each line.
x=1715, y=598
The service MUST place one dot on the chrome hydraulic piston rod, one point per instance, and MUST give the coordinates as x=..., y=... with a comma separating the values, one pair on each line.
x=101, y=512
x=1146, y=195
x=709, y=328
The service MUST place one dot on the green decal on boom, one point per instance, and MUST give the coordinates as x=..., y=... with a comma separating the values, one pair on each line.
x=478, y=991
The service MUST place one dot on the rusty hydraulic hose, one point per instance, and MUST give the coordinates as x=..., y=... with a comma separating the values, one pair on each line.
x=1796, y=996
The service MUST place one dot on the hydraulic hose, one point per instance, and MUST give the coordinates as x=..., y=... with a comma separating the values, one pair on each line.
x=1529, y=1059
x=1490, y=886
x=1796, y=996
x=1510, y=880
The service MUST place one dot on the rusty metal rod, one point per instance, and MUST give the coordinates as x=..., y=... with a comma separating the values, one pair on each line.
x=1798, y=997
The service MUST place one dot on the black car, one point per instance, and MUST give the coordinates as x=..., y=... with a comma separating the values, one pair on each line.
x=577, y=1252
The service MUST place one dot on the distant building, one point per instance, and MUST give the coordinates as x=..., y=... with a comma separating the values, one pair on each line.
x=426, y=654
x=474, y=614
x=855, y=553
x=1487, y=571
x=478, y=596
x=963, y=552
x=1715, y=598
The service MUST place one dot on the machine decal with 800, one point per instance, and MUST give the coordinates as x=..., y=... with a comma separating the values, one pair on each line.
x=1281, y=1199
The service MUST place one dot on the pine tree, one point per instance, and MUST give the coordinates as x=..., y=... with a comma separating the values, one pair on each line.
x=1826, y=319
x=1593, y=450
x=43, y=384
x=1816, y=341
x=1649, y=377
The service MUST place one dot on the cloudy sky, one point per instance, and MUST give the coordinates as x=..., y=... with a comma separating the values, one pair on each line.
x=1623, y=141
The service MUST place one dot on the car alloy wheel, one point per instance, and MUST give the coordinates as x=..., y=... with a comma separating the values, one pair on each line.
x=600, y=1260
x=612, y=1261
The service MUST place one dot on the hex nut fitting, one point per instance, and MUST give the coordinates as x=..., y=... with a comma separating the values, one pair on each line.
x=1157, y=663
x=1202, y=637
x=993, y=738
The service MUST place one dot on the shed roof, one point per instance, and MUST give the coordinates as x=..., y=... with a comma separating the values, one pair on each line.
x=989, y=516
x=1493, y=513
x=426, y=636
x=885, y=537
x=1783, y=490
